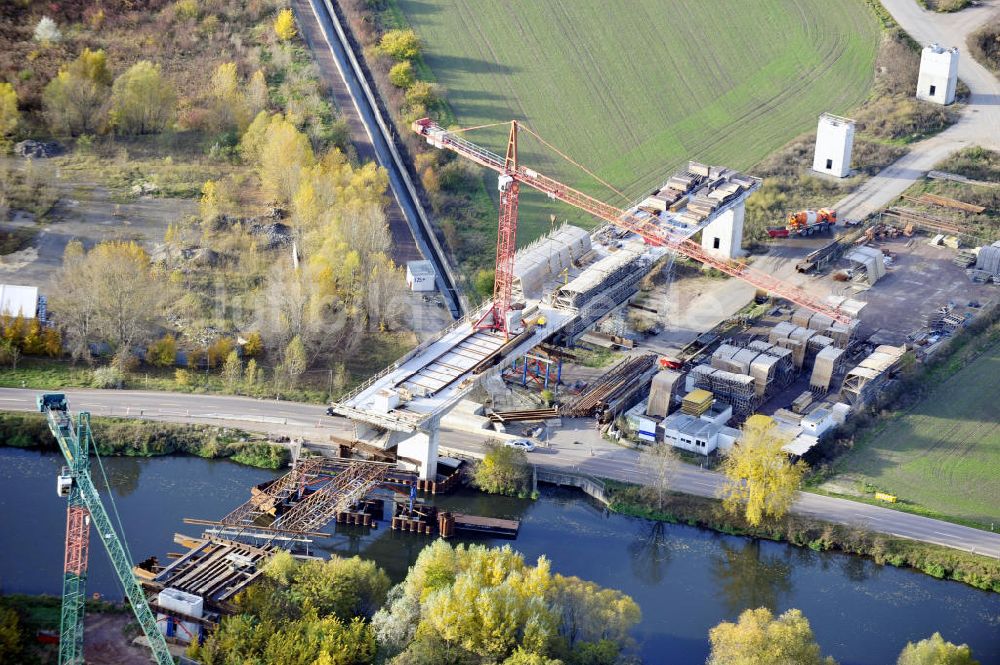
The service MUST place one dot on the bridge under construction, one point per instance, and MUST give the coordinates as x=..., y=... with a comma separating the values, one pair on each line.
x=554, y=290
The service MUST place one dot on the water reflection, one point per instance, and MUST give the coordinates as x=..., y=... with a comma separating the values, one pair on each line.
x=857, y=569
x=123, y=474
x=747, y=578
x=650, y=552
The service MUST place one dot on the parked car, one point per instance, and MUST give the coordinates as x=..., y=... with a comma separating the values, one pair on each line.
x=522, y=444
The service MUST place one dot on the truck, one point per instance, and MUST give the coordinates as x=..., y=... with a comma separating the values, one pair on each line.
x=805, y=223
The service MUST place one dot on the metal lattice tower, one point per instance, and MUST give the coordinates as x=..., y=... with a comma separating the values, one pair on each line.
x=84, y=506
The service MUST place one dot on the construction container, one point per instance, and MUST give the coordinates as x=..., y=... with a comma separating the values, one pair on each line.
x=697, y=402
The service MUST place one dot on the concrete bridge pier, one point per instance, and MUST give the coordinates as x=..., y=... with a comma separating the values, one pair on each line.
x=420, y=448
x=724, y=235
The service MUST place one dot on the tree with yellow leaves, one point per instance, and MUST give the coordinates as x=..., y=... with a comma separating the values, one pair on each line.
x=479, y=604
x=400, y=44
x=228, y=103
x=761, y=481
x=758, y=638
x=74, y=99
x=284, y=25
x=503, y=470
x=9, y=115
x=142, y=100
x=935, y=650
x=108, y=294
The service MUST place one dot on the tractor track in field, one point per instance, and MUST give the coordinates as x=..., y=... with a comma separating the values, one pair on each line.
x=835, y=49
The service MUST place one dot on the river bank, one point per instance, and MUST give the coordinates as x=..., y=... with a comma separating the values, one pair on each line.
x=144, y=438
x=981, y=572
x=685, y=579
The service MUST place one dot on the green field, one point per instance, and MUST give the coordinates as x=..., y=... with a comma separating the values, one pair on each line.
x=944, y=454
x=633, y=90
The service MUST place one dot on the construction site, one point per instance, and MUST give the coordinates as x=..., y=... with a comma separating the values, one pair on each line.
x=582, y=327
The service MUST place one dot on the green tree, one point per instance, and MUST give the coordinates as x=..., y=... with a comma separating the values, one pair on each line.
x=758, y=638
x=400, y=44
x=401, y=75
x=760, y=479
x=251, y=375
x=142, y=100
x=522, y=657
x=344, y=588
x=936, y=651
x=232, y=370
x=503, y=470
x=9, y=115
x=421, y=95
x=74, y=99
x=483, y=283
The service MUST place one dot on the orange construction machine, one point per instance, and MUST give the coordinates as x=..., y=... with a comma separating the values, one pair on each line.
x=805, y=223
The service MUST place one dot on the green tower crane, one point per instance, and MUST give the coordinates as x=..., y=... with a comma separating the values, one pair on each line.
x=85, y=505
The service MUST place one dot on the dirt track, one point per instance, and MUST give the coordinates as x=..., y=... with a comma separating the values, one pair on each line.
x=980, y=121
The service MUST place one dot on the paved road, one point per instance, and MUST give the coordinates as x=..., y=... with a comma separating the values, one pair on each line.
x=980, y=121
x=575, y=447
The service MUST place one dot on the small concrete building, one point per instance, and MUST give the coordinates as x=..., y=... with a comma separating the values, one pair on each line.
x=938, y=74
x=18, y=300
x=420, y=275
x=701, y=434
x=188, y=606
x=834, y=143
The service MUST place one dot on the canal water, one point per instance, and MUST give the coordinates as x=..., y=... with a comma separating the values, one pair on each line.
x=685, y=579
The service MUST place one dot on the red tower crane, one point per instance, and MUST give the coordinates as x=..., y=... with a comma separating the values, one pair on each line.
x=511, y=173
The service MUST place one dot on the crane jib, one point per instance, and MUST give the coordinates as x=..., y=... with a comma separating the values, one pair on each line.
x=441, y=138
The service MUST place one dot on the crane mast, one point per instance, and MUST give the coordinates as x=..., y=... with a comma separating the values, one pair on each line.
x=496, y=317
x=651, y=232
x=84, y=506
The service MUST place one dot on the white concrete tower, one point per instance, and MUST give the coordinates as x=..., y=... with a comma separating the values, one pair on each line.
x=834, y=142
x=938, y=74
x=724, y=236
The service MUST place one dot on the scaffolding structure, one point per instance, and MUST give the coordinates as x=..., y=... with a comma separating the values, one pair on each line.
x=537, y=369
x=305, y=499
x=738, y=390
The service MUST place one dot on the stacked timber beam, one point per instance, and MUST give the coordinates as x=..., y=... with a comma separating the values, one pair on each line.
x=523, y=415
x=215, y=569
x=945, y=202
x=615, y=386
x=905, y=217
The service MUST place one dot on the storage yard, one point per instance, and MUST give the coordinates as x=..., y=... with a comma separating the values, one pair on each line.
x=819, y=58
